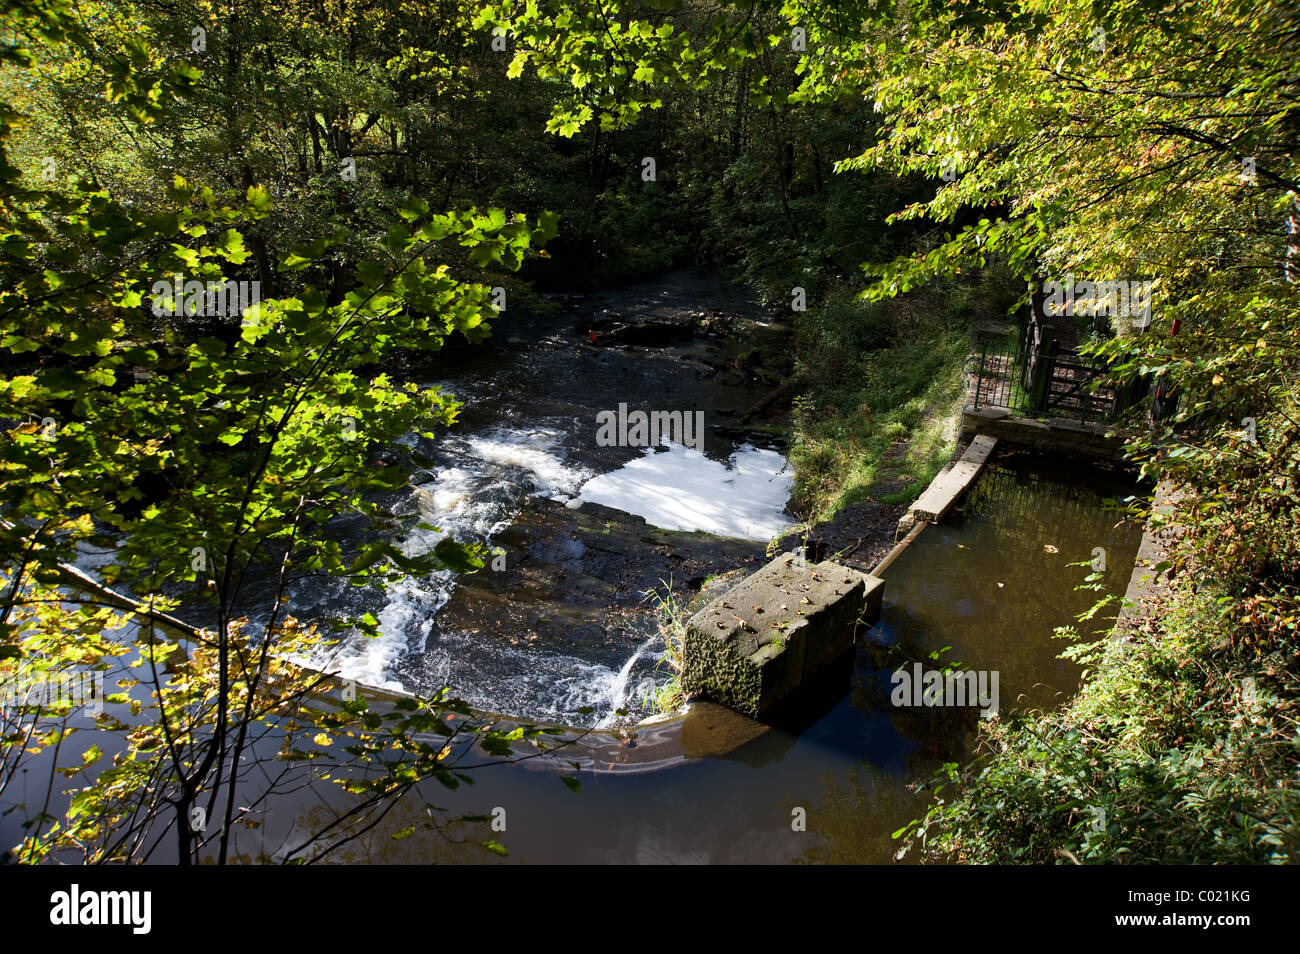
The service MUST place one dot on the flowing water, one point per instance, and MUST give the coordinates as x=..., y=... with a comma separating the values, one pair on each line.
x=564, y=627
x=566, y=631
x=984, y=589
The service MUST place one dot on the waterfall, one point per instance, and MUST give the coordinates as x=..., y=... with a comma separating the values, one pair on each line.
x=618, y=688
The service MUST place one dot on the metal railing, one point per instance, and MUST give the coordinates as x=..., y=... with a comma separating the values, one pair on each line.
x=1048, y=384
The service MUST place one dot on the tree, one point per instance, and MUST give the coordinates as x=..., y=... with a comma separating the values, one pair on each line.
x=159, y=408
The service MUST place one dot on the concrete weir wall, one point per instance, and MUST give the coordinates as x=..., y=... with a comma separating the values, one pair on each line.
x=755, y=645
x=1059, y=436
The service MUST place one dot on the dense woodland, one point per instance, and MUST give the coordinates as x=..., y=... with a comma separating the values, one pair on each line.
x=379, y=169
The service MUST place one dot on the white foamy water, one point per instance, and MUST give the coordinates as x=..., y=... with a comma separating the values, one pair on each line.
x=617, y=693
x=469, y=501
x=678, y=488
x=481, y=488
x=535, y=452
x=404, y=624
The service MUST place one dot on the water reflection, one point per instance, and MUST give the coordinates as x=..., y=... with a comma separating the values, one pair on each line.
x=717, y=787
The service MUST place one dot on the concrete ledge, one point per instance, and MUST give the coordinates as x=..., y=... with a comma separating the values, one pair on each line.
x=1071, y=437
x=757, y=644
x=1143, y=583
x=880, y=568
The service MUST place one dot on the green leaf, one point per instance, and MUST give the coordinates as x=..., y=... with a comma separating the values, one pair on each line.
x=259, y=198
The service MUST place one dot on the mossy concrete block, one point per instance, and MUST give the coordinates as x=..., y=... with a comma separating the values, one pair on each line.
x=756, y=644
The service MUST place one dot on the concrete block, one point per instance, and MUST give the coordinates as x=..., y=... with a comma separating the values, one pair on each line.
x=757, y=644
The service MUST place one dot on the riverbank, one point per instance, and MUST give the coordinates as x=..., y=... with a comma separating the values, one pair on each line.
x=876, y=391
x=1178, y=749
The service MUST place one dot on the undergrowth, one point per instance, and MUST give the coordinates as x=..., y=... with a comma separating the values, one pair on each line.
x=1181, y=747
x=882, y=387
x=672, y=626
